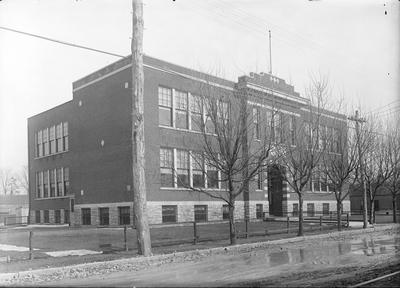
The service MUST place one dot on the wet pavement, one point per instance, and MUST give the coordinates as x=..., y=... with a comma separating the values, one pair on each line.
x=258, y=264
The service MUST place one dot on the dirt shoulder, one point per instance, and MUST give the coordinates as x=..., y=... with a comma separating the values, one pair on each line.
x=141, y=263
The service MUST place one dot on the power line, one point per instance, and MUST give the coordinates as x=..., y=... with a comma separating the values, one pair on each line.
x=61, y=42
x=381, y=107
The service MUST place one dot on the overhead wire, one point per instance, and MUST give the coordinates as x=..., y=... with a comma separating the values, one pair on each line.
x=61, y=42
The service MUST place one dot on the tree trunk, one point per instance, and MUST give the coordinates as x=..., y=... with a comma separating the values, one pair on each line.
x=232, y=227
x=138, y=162
x=394, y=205
x=301, y=232
x=339, y=214
x=371, y=212
x=369, y=207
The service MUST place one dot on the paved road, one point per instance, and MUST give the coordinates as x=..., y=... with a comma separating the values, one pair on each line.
x=326, y=258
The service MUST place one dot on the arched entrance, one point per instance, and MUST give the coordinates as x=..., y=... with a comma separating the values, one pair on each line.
x=275, y=190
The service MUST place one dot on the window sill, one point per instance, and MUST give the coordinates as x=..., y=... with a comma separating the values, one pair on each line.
x=54, y=154
x=188, y=189
x=185, y=130
x=51, y=198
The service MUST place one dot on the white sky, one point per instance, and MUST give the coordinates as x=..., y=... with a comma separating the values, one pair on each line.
x=354, y=42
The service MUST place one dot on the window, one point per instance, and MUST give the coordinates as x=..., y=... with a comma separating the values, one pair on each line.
x=329, y=143
x=124, y=215
x=259, y=180
x=66, y=216
x=52, y=139
x=212, y=176
x=66, y=181
x=225, y=212
x=39, y=184
x=86, y=217
x=37, y=216
x=165, y=106
x=277, y=123
x=65, y=136
x=322, y=135
x=316, y=179
x=72, y=204
x=45, y=142
x=200, y=213
x=166, y=167
x=46, y=216
x=376, y=205
x=196, y=110
x=259, y=211
x=325, y=208
x=310, y=209
x=295, y=209
x=181, y=110
x=40, y=144
x=198, y=170
x=209, y=123
x=336, y=140
x=59, y=182
x=292, y=130
x=52, y=183
x=169, y=213
x=308, y=134
x=57, y=216
x=256, y=122
x=223, y=113
x=59, y=138
x=182, y=168
x=46, y=184
x=104, y=216
x=324, y=181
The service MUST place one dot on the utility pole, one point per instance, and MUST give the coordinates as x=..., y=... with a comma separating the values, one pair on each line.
x=270, y=53
x=138, y=147
x=359, y=120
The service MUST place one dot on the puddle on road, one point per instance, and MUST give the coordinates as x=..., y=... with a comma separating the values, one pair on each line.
x=325, y=253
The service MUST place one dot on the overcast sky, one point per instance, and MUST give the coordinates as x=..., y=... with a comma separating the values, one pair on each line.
x=354, y=42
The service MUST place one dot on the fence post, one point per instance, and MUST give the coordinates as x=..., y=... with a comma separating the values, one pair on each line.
x=125, y=244
x=320, y=223
x=348, y=220
x=247, y=227
x=5, y=221
x=287, y=224
x=30, y=245
x=194, y=233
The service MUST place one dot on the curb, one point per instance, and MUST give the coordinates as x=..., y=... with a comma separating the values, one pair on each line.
x=141, y=262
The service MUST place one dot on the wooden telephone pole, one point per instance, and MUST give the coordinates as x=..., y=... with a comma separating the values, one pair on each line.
x=359, y=120
x=138, y=161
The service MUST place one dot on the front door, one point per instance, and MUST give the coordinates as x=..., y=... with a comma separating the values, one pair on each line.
x=275, y=182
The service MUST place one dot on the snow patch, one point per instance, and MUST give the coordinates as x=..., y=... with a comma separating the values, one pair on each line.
x=72, y=253
x=6, y=247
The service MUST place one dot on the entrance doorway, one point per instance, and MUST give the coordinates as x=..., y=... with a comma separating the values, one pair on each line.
x=275, y=185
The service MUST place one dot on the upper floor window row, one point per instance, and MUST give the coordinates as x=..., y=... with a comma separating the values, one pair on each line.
x=183, y=110
x=52, y=140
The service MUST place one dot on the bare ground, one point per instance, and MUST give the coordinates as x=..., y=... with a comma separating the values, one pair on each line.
x=218, y=266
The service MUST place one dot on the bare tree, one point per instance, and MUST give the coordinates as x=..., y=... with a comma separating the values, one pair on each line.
x=377, y=168
x=5, y=180
x=393, y=182
x=340, y=168
x=227, y=126
x=299, y=160
x=23, y=179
